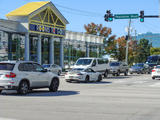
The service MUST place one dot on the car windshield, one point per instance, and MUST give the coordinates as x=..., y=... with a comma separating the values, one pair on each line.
x=84, y=62
x=6, y=66
x=114, y=64
x=152, y=59
x=46, y=66
x=139, y=65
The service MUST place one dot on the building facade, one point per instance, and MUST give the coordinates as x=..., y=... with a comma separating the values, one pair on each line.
x=153, y=38
x=37, y=32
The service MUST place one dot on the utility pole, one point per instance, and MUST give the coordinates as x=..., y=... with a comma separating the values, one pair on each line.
x=159, y=8
x=126, y=59
x=135, y=34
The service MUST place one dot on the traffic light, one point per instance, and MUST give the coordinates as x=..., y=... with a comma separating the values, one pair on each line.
x=126, y=37
x=108, y=17
x=141, y=16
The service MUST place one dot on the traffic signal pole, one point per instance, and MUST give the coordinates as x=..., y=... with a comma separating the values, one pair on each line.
x=108, y=17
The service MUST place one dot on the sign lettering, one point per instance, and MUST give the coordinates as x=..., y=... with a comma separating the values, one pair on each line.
x=46, y=29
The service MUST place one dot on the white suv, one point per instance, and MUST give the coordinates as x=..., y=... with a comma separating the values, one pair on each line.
x=26, y=75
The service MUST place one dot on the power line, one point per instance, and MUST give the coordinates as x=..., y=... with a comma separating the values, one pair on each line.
x=80, y=14
x=79, y=11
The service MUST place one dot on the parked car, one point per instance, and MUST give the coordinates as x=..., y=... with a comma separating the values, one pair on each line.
x=135, y=69
x=68, y=67
x=83, y=74
x=139, y=68
x=97, y=64
x=53, y=68
x=116, y=68
x=156, y=72
x=24, y=76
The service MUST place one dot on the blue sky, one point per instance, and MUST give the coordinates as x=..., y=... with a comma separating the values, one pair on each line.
x=80, y=12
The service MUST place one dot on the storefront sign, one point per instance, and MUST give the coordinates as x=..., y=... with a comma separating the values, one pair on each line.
x=46, y=29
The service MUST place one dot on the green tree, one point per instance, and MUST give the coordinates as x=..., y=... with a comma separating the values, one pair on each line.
x=143, y=50
x=121, y=48
x=106, y=32
x=155, y=51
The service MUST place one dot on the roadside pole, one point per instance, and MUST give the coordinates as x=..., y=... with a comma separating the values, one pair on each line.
x=127, y=46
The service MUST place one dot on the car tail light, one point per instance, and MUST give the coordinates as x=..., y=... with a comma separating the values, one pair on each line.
x=11, y=75
x=153, y=70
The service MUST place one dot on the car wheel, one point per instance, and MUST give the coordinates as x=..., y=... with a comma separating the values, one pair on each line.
x=0, y=91
x=126, y=73
x=99, y=78
x=153, y=78
x=59, y=73
x=23, y=88
x=106, y=74
x=54, y=85
x=118, y=73
x=69, y=81
x=114, y=74
x=87, y=79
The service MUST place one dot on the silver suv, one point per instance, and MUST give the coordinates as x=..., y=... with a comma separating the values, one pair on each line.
x=118, y=67
x=53, y=68
x=25, y=75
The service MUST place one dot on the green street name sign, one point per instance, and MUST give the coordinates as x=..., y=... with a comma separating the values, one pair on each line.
x=126, y=16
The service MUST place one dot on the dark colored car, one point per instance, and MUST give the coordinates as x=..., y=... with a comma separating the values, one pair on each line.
x=139, y=68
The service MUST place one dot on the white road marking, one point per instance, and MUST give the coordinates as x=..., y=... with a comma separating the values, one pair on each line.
x=9, y=91
x=155, y=85
x=6, y=119
x=120, y=81
x=139, y=82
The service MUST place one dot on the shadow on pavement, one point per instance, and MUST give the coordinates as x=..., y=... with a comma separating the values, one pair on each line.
x=102, y=82
x=45, y=93
x=118, y=77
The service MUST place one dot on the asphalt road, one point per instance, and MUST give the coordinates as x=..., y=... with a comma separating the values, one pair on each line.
x=133, y=97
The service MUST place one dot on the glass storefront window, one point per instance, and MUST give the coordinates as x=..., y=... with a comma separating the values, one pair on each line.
x=57, y=52
x=16, y=47
x=33, y=48
x=3, y=47
x=45, y=50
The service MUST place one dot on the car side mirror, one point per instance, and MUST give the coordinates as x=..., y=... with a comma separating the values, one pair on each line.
x=93, y=65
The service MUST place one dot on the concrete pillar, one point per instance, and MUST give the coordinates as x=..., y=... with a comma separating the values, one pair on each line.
x=9, y=46
x=51, y=50
x=61, y=53
x=97, y=47
x=87, y=49
x=27, y=51
x=39, y=50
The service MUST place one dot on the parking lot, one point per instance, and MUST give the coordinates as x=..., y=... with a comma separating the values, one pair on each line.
x=133, y=97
